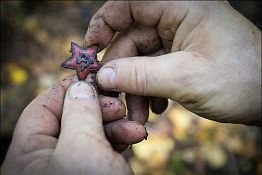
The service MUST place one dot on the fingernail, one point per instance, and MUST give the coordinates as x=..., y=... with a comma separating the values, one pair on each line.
x=81, y=90
x=107, y=78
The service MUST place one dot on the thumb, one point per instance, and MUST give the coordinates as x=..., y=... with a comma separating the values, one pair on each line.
x=161, y=76
x=82, y=145
x=82, y=118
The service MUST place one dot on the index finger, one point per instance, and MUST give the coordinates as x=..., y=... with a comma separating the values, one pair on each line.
x=106, y=22
x=116, y=16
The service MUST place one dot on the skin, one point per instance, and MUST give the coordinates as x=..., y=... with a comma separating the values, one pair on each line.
x=61, y=131
x=209, y=57
x=204, y=55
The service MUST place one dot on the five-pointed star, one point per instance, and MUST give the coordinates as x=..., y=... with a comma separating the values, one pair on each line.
x=83, y=60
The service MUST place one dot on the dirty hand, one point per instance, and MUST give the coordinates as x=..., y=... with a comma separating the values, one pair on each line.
x=41, y=145
x=204, y=55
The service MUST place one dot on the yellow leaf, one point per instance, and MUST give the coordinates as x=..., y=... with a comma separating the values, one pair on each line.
x=17, y=75
x=155, y=150
x=181, y=120
x=214, y=155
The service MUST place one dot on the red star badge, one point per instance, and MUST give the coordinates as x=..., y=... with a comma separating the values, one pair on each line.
x=83, y=60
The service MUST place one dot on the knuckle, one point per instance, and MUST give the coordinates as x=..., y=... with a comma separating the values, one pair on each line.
x=140, y=78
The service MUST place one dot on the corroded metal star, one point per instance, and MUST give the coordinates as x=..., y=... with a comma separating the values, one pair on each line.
x=83, y=60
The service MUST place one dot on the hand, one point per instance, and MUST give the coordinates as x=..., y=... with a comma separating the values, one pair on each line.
x=214, y=65
x=79, y=146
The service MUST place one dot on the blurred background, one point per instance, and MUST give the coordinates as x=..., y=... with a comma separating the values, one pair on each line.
x=35, y=40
